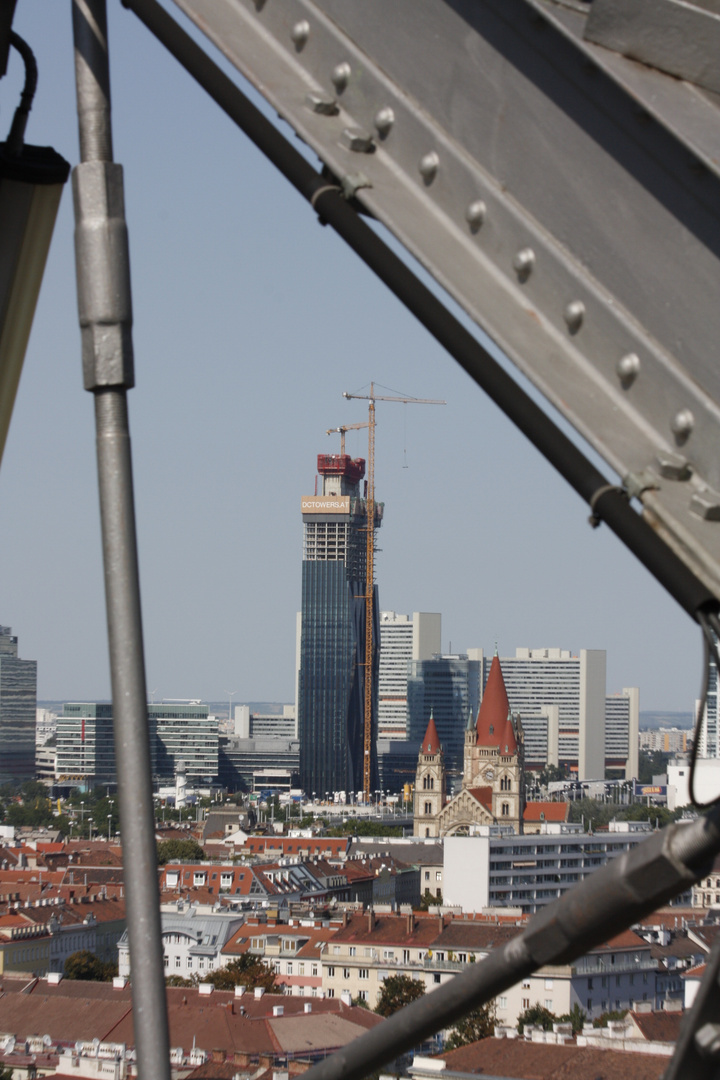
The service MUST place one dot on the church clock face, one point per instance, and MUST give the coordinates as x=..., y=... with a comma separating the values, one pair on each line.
x=489, y=774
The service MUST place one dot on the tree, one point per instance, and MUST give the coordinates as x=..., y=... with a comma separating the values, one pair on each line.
x=398, y=991
x=478, y=1024
x=87, y=966
x=537, y=1015
x=613, y=1014
x=427, y=900
x=246, y=970
x=178, y=851
x=177, y=980
x=576, y=1017
x=6, y=1072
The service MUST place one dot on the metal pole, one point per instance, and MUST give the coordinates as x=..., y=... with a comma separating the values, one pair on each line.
x=104, y=305
x=608, y=901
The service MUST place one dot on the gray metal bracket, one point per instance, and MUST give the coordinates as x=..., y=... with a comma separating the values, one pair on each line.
x=566, y=196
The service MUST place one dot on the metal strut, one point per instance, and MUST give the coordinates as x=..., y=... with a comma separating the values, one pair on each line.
x=104, y=307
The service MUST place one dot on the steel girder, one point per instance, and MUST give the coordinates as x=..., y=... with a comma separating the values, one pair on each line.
x=568, y=197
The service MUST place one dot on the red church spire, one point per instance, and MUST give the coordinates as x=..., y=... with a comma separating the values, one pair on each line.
x=494, y=713
x=431, y=742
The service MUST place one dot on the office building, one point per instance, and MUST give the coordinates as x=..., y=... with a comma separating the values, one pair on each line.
x=185, y=732
x=240, y=759
x=85, y=745
x=403, y=640
x=622, y=724
x=18, y=703
x=448, y=688
x=330, y=686
x=536, y=678
x=249, y=725
x=180, y=732
x=709, y=729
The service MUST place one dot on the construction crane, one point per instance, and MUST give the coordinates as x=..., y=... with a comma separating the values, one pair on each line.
x=371, y=398
x=341, y=432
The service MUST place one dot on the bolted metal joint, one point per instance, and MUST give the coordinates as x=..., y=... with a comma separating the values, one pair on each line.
x=103, y=275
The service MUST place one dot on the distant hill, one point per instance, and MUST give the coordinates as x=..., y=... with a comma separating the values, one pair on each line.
x=651, y=721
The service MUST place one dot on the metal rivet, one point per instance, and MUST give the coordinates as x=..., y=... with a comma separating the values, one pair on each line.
x=300, y=33
x=682, y=424
x=475, y=214
x=320, y=104
x=357, y=139
x=573, y=315
x=428, y=166
x=340, y=76
x=524, y=262
x=384, y=120
x=628, y=368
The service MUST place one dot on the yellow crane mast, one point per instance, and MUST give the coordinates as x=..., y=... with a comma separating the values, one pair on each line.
x=371, y=398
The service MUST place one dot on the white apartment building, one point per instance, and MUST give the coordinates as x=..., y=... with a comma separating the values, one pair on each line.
x=432, y=949
x=622, y=730
x=540, y=681
x=495, y=868
x=403, y=639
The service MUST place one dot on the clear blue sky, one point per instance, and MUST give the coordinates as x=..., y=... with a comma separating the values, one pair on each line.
x=250, y=322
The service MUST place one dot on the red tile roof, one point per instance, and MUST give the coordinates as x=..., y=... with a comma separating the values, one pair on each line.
x=494, y=708
x=431, y=742
x=546, y=811
x=483, y=795
x=523, y=1060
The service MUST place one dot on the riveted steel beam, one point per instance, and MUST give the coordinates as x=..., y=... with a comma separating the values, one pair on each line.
x=566, y=196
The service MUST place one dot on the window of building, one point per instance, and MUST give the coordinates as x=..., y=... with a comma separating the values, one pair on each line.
x=331, y=992
x=190, y=962
x=548, y=984
x=427, y=875
x=288, y=969
x=364, y=973
x=428, y=808
x=363, y=995
x=346, y=973
x=436, y=978
x=548, y=1004
x=314, y=970
x=167, y=960
x=505, y=809
x=352, y=950
x=301, y=969
x=367, y=952
x=178, y=962
x=201, y=963
x=331, y=972
x=526, y=984
x=526, y=1003
x=502, y=1002
x=388, y=954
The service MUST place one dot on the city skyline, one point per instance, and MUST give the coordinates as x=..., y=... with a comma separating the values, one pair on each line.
x=250, y=322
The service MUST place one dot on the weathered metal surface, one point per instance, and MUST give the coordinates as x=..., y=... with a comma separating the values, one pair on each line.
x=566, y=196
x=678, y=36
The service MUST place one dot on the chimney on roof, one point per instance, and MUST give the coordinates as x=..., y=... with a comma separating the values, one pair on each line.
x=441, y=924
x=410, y=923
x=344, y=918
x=371, y=920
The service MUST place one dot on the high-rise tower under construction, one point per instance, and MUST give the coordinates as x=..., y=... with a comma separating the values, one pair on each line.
x=332, y=631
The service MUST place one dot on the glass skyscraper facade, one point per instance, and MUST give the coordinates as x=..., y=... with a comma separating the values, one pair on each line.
x=18, y=704
x=448, y=687
x=332, y=632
